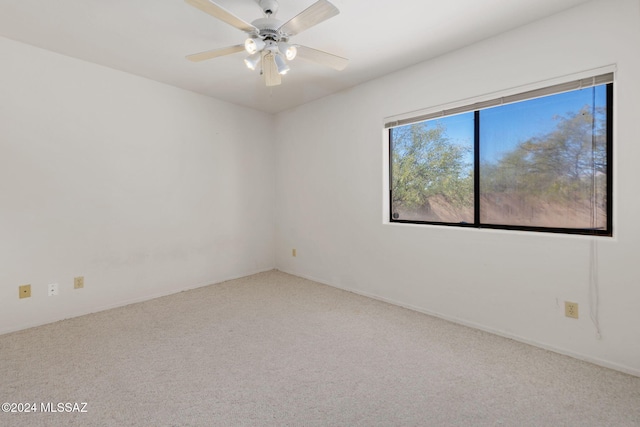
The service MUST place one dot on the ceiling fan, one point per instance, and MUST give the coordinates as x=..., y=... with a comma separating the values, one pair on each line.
x=268, y=43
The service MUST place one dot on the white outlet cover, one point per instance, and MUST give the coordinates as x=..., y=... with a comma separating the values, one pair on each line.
x=53, y=289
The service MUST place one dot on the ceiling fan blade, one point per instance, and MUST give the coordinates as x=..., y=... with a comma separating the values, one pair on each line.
x=210, y=54
x=270, y=70
x=316, y=13
x=324, y=58
x=222, y=14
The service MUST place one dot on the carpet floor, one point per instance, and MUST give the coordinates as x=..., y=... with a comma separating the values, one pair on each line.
x=276, y=350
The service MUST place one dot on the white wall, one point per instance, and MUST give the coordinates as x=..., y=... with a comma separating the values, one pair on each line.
x=329, y=189
x=142, y=188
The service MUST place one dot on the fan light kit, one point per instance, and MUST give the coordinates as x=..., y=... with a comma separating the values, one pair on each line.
x=268, y=43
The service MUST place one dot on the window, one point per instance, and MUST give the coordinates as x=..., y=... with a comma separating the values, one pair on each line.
x=537, y=161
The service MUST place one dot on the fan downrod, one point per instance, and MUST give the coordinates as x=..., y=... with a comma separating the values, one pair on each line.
x=269, y=7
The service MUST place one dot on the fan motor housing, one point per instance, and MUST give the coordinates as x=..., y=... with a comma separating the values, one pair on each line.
x=269, y=29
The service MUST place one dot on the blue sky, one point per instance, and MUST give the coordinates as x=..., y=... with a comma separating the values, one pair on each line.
x=503, y=127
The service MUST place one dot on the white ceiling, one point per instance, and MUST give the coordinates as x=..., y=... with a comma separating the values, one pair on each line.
x=150, y=38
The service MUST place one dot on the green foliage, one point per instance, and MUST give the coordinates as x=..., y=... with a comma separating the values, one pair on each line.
x=559, y=167
x=426, y=164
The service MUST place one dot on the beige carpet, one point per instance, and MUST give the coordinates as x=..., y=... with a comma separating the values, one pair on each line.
x=276, y=350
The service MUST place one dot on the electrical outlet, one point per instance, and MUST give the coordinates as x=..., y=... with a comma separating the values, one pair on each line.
x=24, y=291
x=293, y=252
x=53, y=289
x=571, y=309
x=78, y=282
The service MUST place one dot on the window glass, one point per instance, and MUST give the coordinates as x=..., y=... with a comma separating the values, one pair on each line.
x=543, y=161
x=540, y=164
x=432, y=170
